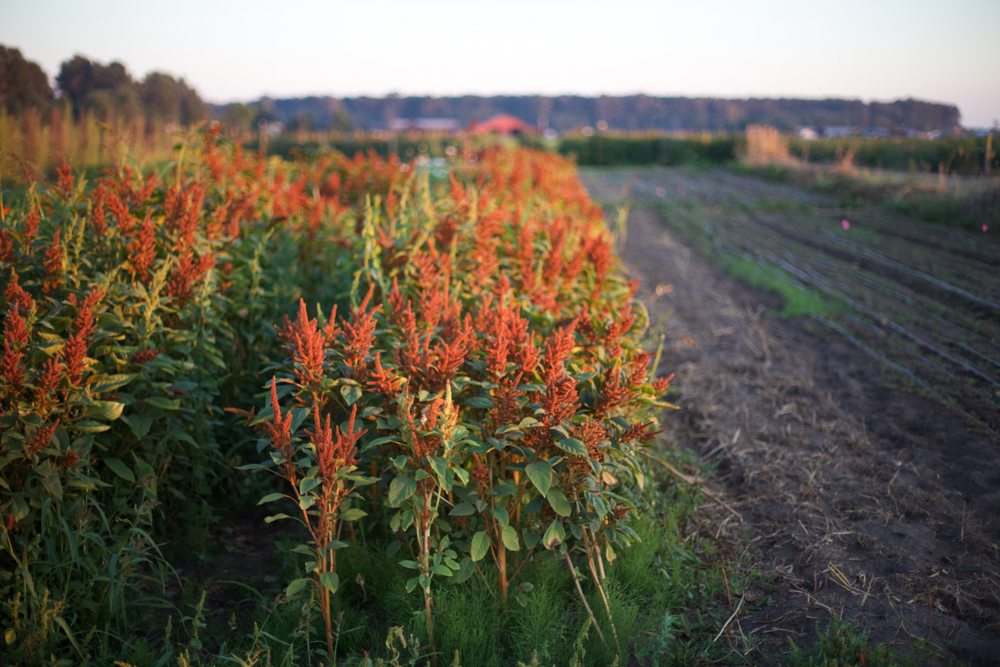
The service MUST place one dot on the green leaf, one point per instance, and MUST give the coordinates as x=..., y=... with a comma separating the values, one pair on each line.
x=540, y=474
x=509, y=536
x=104, y=383
x=554, y=535
x=400, y=489
x=52, y=483
x=440, y=467
x=352, y=514
x=572, y=446
x=505, y=488
x=120, y=469
x=484, y=402
x=308, y=484
x=330, y=581
x=462, y=509
x=559, y=502
x=163, y=403
x=501, y=515
x=270, y=498
x=106, y=410
x=480, y=545
x=139, y=424
x=88, y=426
x=295, y=586
x=351, y=393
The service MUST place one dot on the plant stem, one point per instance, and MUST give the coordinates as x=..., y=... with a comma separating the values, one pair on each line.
x=583, y=598
x=604, y=597
x=425, y=566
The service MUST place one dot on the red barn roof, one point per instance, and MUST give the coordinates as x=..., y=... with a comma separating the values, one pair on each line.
x=502, y=124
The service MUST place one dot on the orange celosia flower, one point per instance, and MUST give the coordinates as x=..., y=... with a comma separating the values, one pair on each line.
x=141, y=357
x=334, y=449
x=142, y=249
x=48, y=381
x=359, y=334
x=6, y=246
x=279, y=430
x=15, y=330
x=65, y=175
x=187, y=274
x=10, y=367
x=75, y=350
x=40, y=440
x=16, y=295
x=31, y=224
x=384, y=382
x=53, y=263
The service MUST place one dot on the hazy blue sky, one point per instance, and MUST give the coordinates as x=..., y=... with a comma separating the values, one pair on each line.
x=239, y=50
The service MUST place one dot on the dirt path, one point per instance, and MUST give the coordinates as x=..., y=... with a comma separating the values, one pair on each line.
x=861, y=500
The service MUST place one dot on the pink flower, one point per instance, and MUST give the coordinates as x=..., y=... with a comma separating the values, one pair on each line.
x=661, y=192
x=845, y=223
x=986, y=228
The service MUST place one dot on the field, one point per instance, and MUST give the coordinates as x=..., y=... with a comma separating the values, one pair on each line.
x=336, y=410
x=920, y=299
x=320, y=408
x=838, y=365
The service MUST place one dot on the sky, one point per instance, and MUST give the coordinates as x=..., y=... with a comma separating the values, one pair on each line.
x=239, y=50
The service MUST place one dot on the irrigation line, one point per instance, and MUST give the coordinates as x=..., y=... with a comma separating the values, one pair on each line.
x=950, y=332
x=858, y=249
x=870, y=352
x=917, y=273
x=832, y=291
x=875, y=282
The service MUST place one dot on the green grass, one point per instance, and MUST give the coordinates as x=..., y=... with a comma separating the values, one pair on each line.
x=841, y=644
x=665, y=593
x=965, y=204
x=797, y=301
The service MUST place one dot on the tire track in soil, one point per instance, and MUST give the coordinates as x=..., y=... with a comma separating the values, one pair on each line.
x=859, y=499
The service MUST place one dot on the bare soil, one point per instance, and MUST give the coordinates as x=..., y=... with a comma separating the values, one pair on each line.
x=857, y=497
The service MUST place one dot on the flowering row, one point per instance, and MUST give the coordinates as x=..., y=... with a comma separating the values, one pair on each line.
x=135, y=307
x=489, y=386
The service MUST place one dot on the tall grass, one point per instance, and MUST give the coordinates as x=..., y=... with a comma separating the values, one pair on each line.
x=32, y=143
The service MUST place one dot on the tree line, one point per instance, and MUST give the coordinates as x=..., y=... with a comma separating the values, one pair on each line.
x=109, y=91
x=625, y=113
x=104, y=91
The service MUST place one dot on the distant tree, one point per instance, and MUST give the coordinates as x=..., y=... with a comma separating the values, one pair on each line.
x=299, y=123
x=193, y=108
x=341, y=120
x=239, y=118
x=102, y=89
x=23, y=83
x=161, y=96
x=169, y=99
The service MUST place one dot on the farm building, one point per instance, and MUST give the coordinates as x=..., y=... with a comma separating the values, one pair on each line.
x=503, y=124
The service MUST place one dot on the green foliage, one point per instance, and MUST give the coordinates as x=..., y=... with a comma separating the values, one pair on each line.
x=947, y=155
x=462, y=447
x=797, y=300
x=840, y=643
x=638, y=149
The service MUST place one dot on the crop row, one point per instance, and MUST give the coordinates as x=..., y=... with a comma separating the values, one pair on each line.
x=482, y=398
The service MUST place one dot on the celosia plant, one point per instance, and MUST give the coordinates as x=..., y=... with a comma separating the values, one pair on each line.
x=505, y=409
